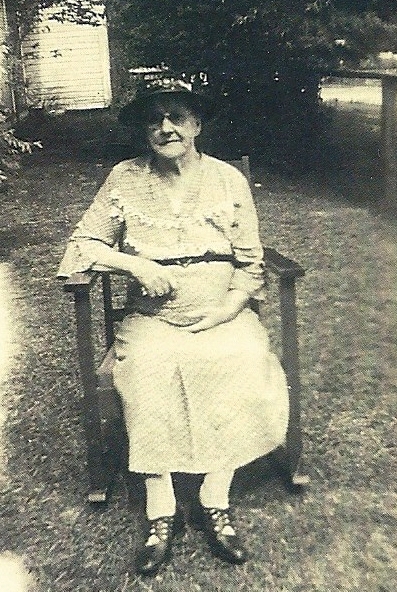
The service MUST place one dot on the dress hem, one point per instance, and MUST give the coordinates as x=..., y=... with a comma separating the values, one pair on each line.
x=201, y=470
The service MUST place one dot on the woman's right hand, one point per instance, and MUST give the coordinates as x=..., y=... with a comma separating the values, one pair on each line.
x=156, y=280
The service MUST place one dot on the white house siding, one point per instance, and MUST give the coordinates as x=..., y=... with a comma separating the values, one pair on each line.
x=66, y=65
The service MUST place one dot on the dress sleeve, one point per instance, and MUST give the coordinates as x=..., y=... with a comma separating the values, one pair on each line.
x=100, y=228
x=246, y=244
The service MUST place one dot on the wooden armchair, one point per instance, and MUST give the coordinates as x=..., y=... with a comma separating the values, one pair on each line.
x=102, y=411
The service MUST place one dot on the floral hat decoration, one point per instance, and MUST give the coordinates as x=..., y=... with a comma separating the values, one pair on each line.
x=154, y=83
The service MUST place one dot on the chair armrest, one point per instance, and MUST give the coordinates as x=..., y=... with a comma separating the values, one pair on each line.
x=81, y=282
x=282, y=266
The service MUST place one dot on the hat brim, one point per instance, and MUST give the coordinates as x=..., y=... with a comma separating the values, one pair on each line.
x=132, y=112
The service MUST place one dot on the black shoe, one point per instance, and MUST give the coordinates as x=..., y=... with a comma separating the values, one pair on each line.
x=221, y=535
x=157, y=548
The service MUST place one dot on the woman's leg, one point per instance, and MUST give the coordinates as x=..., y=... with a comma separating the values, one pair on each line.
x=160, y=512
x=214, y=491
x=160, y=497
x=216, y=520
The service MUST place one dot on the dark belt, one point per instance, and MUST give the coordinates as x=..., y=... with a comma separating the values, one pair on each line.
x=206, y=258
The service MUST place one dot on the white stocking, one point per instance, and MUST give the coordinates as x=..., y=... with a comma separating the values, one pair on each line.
x=214, y=491
x=160, y=497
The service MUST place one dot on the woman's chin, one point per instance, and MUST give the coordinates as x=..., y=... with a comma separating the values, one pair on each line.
x=171, y=150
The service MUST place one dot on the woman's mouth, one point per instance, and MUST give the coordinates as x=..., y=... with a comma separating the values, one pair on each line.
x=168, y=142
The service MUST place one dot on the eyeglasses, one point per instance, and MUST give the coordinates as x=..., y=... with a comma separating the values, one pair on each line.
x=154, y=120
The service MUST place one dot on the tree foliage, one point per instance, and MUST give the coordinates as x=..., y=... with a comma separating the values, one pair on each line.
x=184, y=30
x=27, y=12
x=264, y=58
x=181, y=31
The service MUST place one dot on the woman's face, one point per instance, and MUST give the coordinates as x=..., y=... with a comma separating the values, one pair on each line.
x=171, y=127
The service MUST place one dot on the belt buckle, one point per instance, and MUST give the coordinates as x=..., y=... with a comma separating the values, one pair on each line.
x=184, y=261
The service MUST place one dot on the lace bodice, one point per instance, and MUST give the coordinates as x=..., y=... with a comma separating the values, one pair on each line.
x=134, y=209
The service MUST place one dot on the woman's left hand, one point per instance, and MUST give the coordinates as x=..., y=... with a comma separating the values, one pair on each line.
x=210, y=317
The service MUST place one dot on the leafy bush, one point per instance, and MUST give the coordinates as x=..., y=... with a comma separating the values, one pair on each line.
x=11, y=147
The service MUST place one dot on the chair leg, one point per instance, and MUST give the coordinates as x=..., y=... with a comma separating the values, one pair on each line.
x=95, y=453
x=90, y=406
x=293, y=448
x=100, y=418
x=105, y=439
x=105, y=457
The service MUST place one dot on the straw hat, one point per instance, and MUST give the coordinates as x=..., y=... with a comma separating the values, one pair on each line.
x=166, y=84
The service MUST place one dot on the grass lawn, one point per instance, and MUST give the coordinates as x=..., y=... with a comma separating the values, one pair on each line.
x=340, y=533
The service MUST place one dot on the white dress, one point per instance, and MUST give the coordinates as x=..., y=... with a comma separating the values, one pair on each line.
x=193, y=402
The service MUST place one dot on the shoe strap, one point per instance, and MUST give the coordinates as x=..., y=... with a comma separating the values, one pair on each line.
x=221, y=521
x=160, y=530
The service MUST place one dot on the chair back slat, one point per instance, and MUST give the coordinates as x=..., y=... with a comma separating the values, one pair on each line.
x=243, y=165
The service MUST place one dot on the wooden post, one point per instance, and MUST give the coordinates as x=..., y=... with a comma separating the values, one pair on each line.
x=389, y=140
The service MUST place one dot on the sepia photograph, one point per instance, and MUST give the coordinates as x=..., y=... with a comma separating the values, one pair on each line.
x=198, y=295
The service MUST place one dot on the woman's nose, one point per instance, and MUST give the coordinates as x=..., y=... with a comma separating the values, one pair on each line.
x=166, y=125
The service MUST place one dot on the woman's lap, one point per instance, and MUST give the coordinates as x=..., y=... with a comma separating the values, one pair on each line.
x=216, y=394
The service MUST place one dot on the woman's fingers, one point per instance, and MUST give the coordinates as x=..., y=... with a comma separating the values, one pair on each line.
x=199, y=326
x=155, y=279
x=159, y=286
x=164, y=285
x=208, y=319
x=200, y=312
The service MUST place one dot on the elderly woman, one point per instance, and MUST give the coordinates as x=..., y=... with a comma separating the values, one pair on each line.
x=202, y=393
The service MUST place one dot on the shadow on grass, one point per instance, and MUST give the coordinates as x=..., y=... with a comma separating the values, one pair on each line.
x=345, y=160
x=349, y=163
